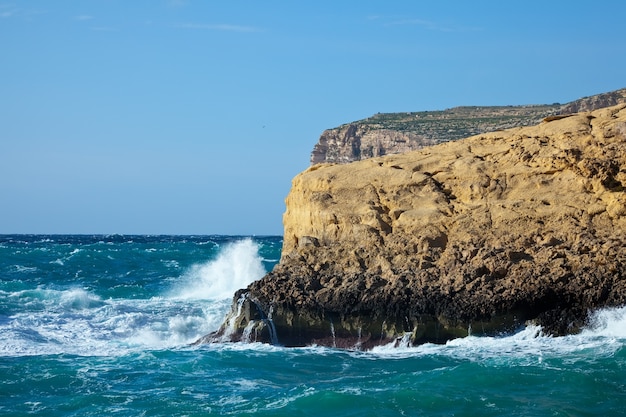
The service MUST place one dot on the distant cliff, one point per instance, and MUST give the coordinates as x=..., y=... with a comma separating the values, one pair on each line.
x=477, y=235
x=394, y=133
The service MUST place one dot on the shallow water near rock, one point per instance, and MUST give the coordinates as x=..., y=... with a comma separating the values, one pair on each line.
x=102, y=325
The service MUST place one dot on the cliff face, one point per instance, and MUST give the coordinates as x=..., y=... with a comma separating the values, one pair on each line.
x=478, y=235
x=598, y=101
x=354, y=142
x=394, y=133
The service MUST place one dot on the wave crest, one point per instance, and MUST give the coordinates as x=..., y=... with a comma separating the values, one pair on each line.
x=237, y=265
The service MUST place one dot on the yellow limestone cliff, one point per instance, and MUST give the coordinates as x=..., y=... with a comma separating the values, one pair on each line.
x=529, y=180
x=483, y=233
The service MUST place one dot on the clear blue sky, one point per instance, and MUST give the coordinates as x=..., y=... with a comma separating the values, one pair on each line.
x=193, y=116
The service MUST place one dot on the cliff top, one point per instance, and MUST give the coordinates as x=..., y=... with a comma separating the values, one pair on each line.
x=393, y=133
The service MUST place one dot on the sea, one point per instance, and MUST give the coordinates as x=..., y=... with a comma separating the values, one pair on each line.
x=104, y=326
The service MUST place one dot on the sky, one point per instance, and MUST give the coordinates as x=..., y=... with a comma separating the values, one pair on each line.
x=193, y=116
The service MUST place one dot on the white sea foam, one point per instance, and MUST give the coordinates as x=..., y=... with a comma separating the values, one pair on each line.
x=78, y=299
x=609, y=322
x=604, y=336
x=237, y=265
x=200, y=300
x=21, y=268
x=77, y=321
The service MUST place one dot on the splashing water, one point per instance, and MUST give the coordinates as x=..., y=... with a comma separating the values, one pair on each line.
x=41, y=315
x=609, y=322
x=237, y=266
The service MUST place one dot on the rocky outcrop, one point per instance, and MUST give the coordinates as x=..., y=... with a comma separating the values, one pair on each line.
x=394, y=133
x=478, y=235
x=355, y=141
x=597, y=101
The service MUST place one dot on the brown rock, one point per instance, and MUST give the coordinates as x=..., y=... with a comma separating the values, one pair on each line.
x=483, y=233
x=357, y=141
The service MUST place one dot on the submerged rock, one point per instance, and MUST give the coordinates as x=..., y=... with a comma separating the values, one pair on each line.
x=478, y=235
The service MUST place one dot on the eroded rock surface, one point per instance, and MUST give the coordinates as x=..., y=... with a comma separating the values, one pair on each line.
x=479, y=235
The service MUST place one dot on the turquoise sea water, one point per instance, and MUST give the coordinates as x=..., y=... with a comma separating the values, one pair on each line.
x=102, y=325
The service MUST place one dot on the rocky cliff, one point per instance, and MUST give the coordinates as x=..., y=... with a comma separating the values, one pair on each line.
x=477, y=235
x=597, y=101
x=394, y=133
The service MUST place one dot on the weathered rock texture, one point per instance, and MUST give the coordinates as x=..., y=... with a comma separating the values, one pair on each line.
x=483, y=234
x=598, y=101
x=394, y=133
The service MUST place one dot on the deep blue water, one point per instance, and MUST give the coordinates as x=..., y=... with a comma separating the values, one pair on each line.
x=102, y=325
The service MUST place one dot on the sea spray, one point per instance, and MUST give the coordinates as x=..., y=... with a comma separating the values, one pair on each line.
x=236, y=266
x=231, y=324
x=609, y=322
x=105, y=299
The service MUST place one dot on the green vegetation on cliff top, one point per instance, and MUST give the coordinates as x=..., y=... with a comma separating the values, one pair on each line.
x=459, y=122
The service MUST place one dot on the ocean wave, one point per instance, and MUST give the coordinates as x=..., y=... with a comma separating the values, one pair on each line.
x=78, y=322
x=605, y=336
x=50, y=319
x=608, y=322
x=236, y=266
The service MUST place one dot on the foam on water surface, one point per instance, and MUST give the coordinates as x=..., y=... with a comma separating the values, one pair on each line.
x=47, y=320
